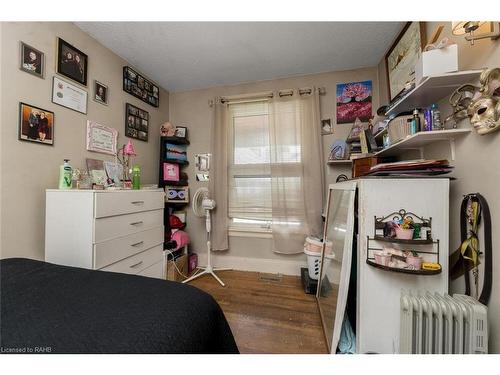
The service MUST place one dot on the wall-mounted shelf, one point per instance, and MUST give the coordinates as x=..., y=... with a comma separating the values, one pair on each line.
x=175, y=161
x=175, y=140
x=407, y=242
x=340, y=161
x=432, y=90
x=419, y=140
x=403, y=270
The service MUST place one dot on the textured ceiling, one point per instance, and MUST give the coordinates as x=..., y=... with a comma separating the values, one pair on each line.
x=183, y=56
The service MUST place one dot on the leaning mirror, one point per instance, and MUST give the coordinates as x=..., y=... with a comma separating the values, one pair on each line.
x=336, y=254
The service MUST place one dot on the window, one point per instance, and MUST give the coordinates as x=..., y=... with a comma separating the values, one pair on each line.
x=254, y=153
x=249, y=166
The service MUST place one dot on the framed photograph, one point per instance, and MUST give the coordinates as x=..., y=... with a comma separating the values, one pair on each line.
x=36, y=124
x=100, y=93
x=171, y=172
x=95, y=168
x=101, y=138
x=176, y=152
x=181, y=132
x=402, y=57
x=32, y=60
x=177, y=194
x=139, y=86
x=136, y=123
x=71, y=62
x=114, y=172
x=326, y=127
x=354, y=100
x=69, y=95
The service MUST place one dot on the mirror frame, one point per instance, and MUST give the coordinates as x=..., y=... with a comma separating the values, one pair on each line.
x=345, y=265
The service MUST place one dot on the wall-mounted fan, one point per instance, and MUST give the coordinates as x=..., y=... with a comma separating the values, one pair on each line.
x=202, y=205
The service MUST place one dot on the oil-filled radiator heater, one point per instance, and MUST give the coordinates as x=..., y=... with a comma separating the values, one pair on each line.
x=435, y=323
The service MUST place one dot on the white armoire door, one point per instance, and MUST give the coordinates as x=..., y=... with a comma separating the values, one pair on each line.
x=378, y=291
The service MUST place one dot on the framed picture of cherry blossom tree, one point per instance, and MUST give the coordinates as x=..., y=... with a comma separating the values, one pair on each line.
x=354, y=100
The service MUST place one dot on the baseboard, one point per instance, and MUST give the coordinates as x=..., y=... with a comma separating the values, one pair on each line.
x=285, y=267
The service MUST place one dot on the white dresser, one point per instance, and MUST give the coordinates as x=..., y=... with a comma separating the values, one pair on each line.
x=118, y=231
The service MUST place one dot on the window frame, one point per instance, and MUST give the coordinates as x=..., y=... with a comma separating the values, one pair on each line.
x=245, y=230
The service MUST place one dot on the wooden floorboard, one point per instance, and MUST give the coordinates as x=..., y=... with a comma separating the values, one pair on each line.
x=267, y=316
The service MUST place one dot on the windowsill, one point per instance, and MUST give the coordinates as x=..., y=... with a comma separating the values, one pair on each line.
x=250, y=232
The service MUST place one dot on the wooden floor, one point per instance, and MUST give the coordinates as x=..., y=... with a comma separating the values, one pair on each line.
x=267, y=316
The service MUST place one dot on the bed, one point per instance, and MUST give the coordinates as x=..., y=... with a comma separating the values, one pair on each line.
x=58, y=309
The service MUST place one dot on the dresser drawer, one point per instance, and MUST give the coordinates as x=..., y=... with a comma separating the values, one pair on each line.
x=112, y=251
x=155, y=271
x=139, y=262
x=107, y=228
x=127, y=202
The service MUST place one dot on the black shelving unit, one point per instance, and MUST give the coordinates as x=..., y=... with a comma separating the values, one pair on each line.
x=171, y=206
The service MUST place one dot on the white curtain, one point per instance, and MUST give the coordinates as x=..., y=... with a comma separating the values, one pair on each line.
x=296, y=169
x=218, y=175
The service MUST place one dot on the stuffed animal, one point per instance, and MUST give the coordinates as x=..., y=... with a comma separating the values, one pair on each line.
x=167, y=129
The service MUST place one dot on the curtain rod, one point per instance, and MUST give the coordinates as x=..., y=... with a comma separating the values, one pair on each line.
x=268, y=94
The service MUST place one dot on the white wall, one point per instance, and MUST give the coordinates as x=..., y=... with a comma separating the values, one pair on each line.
x=191, y=109
x=27, y=169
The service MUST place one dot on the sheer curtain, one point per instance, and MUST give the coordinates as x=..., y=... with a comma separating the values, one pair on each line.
x=296, y=169
x=218, y=175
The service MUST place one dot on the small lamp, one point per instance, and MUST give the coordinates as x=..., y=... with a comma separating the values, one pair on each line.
x=469, y=27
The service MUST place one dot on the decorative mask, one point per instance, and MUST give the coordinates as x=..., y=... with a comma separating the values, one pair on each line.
x=485, y=114
x=484, y=110
x=460, y=101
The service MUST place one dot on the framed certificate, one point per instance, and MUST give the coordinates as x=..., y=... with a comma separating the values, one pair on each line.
x=101, y=138
x=69, y=95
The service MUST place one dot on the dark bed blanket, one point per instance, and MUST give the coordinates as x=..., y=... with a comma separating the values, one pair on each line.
x=58, y=309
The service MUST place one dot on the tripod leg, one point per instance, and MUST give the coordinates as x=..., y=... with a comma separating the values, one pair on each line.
x=195, y=276
x=217, y=278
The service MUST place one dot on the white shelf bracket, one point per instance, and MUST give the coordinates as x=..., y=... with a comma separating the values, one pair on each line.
x=452, y=148
x=421, y=150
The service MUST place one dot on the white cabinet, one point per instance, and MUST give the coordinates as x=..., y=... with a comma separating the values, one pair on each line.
x=118, y=231
x=378, y=290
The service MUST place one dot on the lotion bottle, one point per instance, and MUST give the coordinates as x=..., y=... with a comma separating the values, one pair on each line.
x=65, y=175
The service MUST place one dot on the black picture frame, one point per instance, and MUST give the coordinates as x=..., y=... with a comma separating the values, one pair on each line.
x=35, y=67
x=181, y=132
x=27, y=135
x=98, y=97
x=139, y=86
x=73, y=67
x=136, y=123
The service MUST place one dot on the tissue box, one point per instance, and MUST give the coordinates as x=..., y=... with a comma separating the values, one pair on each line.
x=436, y=61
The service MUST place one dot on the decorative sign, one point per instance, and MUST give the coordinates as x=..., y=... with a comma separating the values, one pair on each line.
x=69, y=96
x=101, y=138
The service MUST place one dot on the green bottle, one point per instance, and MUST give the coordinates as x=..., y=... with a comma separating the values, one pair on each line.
x=65, y=175
x=136, y=177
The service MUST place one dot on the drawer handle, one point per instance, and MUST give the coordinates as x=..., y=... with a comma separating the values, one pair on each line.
x=136, y=265
x=137, y=223
x=138, y=243
x=137, y=202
